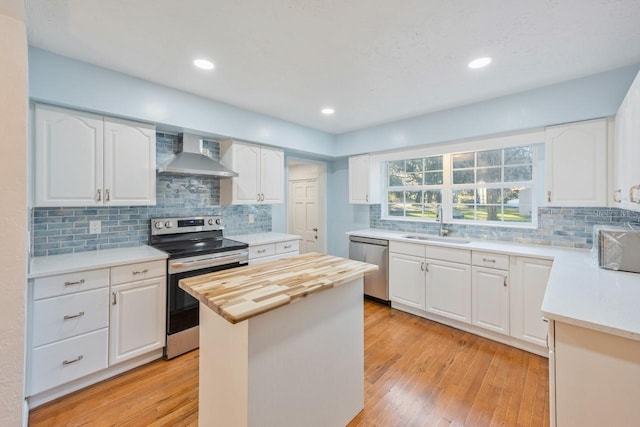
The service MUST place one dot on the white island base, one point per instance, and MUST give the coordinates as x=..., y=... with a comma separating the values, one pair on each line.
x=301, y=364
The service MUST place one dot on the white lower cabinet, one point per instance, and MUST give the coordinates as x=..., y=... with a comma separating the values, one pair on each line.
x=137, y=319
x=407, y=280
x=261, y=253
x=448, y=289
x=529, y=278
x=490, y=296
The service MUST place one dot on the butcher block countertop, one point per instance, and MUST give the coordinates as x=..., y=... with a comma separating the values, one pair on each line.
x=241, y=293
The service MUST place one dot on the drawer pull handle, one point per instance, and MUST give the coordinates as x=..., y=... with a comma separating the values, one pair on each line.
x=422, y=266
x=488, y=260
x=69, y=362
x=79, y=282
x=288, y=247
x=73, y=316
x=261, y=251
x=145, y=271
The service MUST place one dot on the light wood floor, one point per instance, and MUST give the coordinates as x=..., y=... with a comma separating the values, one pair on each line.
x=417, y=373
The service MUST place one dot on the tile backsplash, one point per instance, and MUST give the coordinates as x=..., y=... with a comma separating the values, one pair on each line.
x=566, y=227
x=62, y=230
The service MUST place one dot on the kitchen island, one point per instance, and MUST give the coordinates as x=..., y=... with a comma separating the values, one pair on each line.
x=269, y=362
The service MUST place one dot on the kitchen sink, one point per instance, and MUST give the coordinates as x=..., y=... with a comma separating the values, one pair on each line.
x=453, y=240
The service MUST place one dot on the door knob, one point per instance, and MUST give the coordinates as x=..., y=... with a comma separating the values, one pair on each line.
x=315, y=229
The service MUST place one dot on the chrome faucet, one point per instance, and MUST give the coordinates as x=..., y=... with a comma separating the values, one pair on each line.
x=443, y=231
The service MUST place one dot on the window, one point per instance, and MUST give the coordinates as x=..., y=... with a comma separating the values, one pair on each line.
x=489, y=186
x=415, y=187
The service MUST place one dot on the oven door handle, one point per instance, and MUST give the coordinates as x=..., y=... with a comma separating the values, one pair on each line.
x=221, y=260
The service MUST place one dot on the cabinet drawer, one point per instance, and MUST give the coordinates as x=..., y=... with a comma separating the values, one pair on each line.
x=414, y=249
x=262, y=250
x=491, y=260
x=67, y=360
x=263, y=260
x=449, y=254
x=69, y=315
x=62, y=284
x=284, y=247
x=139, y=271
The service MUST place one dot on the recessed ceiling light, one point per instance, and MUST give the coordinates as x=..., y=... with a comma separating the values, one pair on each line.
x=327, y=111
x=203, y=63
x=480, y=62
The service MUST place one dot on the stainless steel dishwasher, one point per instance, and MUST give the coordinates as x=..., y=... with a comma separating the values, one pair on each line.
x=373, y=251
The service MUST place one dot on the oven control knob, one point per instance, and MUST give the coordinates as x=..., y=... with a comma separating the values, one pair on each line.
x=158, y=225
x=218, y=221
x=210, y=222
x=168, y=224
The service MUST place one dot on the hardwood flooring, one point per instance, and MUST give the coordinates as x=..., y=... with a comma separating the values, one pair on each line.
x=417, y=373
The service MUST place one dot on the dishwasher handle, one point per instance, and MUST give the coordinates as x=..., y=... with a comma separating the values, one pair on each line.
x=368, y=240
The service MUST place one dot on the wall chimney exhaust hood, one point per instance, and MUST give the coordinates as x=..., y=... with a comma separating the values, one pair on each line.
x=191, y=160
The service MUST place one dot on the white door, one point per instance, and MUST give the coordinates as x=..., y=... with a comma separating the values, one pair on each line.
x=490, y=298
x=528, y=283
x=129, y=163
x=576, y=158
x=137, y=319
x=448, y=289
x=271, y=176
x=407, y=280
x=304, y=214
x=246, y=162
x=68, y=157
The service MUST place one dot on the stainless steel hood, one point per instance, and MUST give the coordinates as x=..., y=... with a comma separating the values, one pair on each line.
x=191, y=160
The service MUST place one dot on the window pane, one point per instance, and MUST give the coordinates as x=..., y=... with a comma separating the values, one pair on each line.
x=517, y=204
x=463, y=160
x=433, y=178
x=395, y=181
x=464, y=176
x=396, y=203
x=489, y=175
x=413, y=206
x=518, y=155
x=488, y=213
x=396, y=168
x=412, y=179
x=489, y=195
x=466, y=197
x=432, y=198
x=414, y=165
x=490, y=158
x=518, y=173
x=433, y=163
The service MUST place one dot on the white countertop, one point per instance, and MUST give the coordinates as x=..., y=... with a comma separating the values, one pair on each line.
x=264, y=238
x=67, y=263
x=578, y=292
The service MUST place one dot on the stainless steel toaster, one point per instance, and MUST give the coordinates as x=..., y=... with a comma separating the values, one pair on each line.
x=618, y=248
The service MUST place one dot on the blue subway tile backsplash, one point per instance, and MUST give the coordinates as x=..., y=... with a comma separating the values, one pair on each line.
x=63, y=230
x=561, y=227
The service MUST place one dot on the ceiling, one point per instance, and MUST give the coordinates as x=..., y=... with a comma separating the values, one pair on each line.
x=374, y=61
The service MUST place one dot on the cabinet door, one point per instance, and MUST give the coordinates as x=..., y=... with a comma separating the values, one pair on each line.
x=576, y=164
x=490, y=297
x=529, y=278
x=129, y=163
x=246, y=162
x=406, y=280
x=627, y=150
x=137, y=319
x=68, y=157
x=271, y=176
x=359, y=179
x=448, y=289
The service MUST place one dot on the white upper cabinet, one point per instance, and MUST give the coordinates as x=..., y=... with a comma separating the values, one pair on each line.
x=626, y=191
x=260, y=174
x=129, y=163
x=83, y=159
x=359, y=178
x=576, y=164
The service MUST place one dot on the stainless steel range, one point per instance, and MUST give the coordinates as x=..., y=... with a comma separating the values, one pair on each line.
x=195, y=246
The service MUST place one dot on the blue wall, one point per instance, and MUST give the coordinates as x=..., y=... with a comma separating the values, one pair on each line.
x=599, y=95
x=63, y=81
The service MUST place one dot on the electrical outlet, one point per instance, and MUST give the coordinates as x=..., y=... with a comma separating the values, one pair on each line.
x=251, y=219
x=95, y=227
